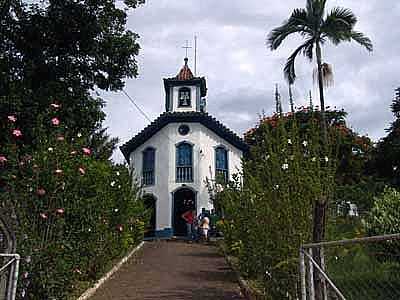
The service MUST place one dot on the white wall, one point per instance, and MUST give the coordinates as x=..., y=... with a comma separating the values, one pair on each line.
x=194, y=94
x=205, y=141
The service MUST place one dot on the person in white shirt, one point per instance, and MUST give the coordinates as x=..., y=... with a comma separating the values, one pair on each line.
x=205, y=227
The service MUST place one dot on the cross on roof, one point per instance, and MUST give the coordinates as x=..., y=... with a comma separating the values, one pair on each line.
x=187, y=47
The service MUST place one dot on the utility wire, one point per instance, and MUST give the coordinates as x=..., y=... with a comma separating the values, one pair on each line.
x=143, y=113
x=137, y=106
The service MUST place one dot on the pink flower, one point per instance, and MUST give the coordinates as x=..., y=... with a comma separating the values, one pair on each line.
x=78, y=271
x=41, y=192
x=55, y=105
x=17, y=133
x=82, y=171
x=43, y=216
x=55, y=121
x=86, y=151
x=12, y=118
x=58, y=171
x=60, y=138
x=60, y=211
x=120, y=228
x=3, y=159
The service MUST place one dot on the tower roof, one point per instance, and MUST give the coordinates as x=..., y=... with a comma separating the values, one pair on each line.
x=185, y=73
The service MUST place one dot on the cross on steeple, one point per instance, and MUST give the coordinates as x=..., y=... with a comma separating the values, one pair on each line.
x=187, y=47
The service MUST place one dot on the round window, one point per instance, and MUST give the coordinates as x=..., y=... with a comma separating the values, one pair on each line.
x=183, y=129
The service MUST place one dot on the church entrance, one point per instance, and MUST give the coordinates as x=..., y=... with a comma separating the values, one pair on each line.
x=184, y=200
x=150, y=204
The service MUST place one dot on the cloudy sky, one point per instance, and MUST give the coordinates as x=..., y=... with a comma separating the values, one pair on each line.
x=241, y=72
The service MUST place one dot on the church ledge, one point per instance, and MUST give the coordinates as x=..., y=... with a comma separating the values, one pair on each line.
x=164, y=233
x=188, y=117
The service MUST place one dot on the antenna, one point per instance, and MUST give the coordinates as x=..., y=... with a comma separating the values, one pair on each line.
x=291, y=98
x=195, y=55
x=311, y=101
x=278, y=102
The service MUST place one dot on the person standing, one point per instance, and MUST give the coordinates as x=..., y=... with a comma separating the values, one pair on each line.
x=189, y=217
x=205, y=227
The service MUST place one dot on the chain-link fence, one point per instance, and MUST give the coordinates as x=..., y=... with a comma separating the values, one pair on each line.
x=9, y=265
x=365, y=268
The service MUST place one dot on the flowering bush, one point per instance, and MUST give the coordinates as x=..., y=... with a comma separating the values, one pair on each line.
x=267, y=214
x=74, y=214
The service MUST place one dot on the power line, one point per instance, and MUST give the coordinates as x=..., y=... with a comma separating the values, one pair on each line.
x=137, y=106
x=143, y=113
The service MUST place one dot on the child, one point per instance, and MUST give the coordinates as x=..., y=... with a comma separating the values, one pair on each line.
x=205, y=227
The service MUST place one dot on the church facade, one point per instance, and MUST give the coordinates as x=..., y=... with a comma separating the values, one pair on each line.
x=175, y=155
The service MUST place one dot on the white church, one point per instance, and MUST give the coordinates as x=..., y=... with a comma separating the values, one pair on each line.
x=174, y=156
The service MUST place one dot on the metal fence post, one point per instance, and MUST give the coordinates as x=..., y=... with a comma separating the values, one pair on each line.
x=15, y=278
x=311, y=287
x=323, y=267
x=303, y=275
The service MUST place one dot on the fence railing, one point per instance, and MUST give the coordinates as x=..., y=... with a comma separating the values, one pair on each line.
x=9, y=265
x=184, y=174
x=363, y=268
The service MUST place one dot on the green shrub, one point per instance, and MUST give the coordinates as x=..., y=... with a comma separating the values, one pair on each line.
x=75, y=214
x=384, y=218
x=268, y=210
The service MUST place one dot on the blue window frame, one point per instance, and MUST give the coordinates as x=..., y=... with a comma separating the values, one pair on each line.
x=148, y=175
x=184, y=162
x=221, y=164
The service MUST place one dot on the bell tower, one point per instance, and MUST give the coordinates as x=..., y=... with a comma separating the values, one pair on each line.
x=185, y=92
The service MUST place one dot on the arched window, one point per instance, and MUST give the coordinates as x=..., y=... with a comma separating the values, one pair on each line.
x=184, y=97
x=149, y=155
x=221, y=164
x=184, y=162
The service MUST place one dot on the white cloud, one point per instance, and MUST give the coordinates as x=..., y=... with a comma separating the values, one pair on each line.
x=241, y=72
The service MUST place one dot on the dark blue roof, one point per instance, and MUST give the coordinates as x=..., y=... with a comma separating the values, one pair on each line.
x=183, y=117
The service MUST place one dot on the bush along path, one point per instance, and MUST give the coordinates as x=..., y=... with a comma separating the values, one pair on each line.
x=76, y=214
x=172, y=270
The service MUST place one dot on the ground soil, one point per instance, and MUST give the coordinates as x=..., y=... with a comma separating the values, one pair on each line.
x=172, y=270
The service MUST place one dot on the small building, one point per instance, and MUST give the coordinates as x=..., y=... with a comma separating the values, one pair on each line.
x=175, y=155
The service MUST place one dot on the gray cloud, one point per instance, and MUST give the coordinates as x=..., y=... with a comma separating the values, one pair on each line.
x=241, y=72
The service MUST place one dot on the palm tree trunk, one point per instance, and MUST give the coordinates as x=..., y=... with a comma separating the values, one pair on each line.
x=319, y=221
x=321, y=95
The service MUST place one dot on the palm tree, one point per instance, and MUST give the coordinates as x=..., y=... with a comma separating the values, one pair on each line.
x=317, y=26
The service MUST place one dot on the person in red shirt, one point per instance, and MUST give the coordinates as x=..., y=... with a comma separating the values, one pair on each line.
x=190, y=218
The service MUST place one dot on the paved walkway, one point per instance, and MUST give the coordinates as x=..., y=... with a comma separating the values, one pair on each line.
x=172, y=270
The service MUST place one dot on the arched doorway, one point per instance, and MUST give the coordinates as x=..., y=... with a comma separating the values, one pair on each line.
x=184, y=200
x=150, y=204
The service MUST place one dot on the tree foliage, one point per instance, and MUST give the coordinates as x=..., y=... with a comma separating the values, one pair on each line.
x=384, y=218
x=61, y=51
x=316, y=26
x=267, y=211
x=387, y=158
x=74, y=211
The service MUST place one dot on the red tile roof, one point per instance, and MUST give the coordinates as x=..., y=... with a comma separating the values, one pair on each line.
x=185, y=73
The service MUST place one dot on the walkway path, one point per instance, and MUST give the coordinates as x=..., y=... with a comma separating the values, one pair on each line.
x=172, y=270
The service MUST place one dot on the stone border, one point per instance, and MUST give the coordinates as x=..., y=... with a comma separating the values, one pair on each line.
x=90, y=292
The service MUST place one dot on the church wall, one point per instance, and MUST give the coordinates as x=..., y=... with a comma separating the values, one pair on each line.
x=204, y=143
x=160, y=189
x=210, y=141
